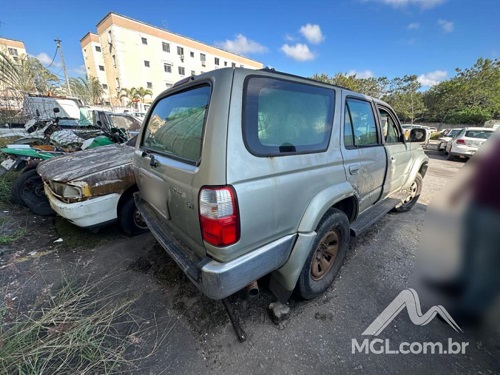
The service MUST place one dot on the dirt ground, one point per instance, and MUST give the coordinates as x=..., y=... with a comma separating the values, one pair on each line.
x=172, y=328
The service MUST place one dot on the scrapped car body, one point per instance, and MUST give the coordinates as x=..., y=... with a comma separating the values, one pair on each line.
x=467, y=142
x=93, y=188
x=243, y=173
x=450, y=134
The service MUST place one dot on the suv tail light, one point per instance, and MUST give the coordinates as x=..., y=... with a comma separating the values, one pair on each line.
x=219, y=216
x=460, y=142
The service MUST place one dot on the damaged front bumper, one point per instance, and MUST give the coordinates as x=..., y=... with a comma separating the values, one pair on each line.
x=89, y=213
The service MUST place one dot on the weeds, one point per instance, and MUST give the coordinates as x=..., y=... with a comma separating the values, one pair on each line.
x=6, y=239
x=6, y=182
x=75, y=331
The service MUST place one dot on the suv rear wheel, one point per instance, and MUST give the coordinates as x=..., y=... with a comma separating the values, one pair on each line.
x=326, y=255
x=413, y=195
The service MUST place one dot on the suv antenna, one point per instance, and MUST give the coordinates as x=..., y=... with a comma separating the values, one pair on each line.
x=58, y=44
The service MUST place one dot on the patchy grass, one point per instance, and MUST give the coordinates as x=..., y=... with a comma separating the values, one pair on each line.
x=6, y=182
x=73, y=330
x=6, y=239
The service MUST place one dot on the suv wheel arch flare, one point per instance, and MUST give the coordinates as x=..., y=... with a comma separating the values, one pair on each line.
x=219, y=215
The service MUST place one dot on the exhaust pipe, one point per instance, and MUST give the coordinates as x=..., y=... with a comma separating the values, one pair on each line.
x=252, y=289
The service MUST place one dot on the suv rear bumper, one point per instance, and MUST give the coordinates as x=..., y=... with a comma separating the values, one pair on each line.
x=215, y=279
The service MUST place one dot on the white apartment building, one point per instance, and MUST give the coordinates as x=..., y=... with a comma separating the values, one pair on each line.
x=12, y=48
x=126, y=53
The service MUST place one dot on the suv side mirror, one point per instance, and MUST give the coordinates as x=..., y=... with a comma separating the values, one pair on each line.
x=417, y=135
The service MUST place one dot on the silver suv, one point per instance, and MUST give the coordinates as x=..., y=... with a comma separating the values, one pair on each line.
x=243, y=173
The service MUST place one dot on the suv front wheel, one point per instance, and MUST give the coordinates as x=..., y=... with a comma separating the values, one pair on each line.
x=326, y=255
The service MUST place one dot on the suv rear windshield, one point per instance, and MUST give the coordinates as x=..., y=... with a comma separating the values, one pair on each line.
x=483, y=134
x=283, y=117
x=175, y=127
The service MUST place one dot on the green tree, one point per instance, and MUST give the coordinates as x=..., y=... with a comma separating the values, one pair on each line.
x=371, y=86
x=88, y=89
x=141, y=93
x=471, y=97
x=406, y=99
x=27, y=75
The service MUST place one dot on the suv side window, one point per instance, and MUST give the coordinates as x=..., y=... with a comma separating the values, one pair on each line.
x=359, y=124
x=282, y=117
x=390, y=129
x=175, y=126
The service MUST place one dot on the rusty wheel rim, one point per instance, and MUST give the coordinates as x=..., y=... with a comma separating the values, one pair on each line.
x=325, y=255
x=138, y=220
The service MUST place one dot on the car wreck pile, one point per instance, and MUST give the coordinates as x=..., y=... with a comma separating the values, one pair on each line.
x=66, y=170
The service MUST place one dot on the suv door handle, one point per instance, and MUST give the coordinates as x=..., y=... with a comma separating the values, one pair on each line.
x=152, y=162
x=354, y=169
x=393, y=159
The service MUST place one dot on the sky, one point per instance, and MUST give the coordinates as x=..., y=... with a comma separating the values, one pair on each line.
x=428, y=38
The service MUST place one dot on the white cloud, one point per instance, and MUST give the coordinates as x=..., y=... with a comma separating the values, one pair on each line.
x=290, y=38
x=360, y=74
x=46, y=60
x=312, y=33
x=299, y=52
x=423, y=4
x=447, y=26
x=241, y=45
x=413, y=26
x=432, y=78
x=80, y=70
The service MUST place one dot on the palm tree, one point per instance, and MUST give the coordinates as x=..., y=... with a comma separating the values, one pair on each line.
x=141, y=92
x=27, y=75
x=129, y=94
x=88, y=89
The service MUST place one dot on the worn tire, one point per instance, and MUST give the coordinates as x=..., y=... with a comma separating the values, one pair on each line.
x=408, y=205
x=130, y=222
x=451, y=157
x=309, y=286
x=28, y=190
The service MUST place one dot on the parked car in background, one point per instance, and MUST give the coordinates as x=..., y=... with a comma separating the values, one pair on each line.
x=467, y=142
x=446, y=137
x=109, y=120
x=95, y=187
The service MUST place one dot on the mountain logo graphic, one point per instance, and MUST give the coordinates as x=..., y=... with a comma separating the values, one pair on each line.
x=408, y=298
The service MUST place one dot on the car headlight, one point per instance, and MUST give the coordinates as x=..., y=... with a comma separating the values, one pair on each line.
x=72, y=192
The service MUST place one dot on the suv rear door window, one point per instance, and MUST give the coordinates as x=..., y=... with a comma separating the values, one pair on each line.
x=359, y=115
x=283, y=117
x=175, y=127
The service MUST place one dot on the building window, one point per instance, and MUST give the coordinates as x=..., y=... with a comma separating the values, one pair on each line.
x=167, y=68
x=117, y=81
x=101, y=68
x=146, y=63
x=109, y=37
x=114, y=60
x=97, y=49
x=216, y=61
x=233, y=65
x=12, y=51
x=144, y=41
x=225, y=63
x=168, y=85
x=165, y=46
x=182, y=71
x=191, y=54
x=180, y=51
x=149, y=85
x=16, y=59
x=104, y=86
x=203, y=57
x=193, y=73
